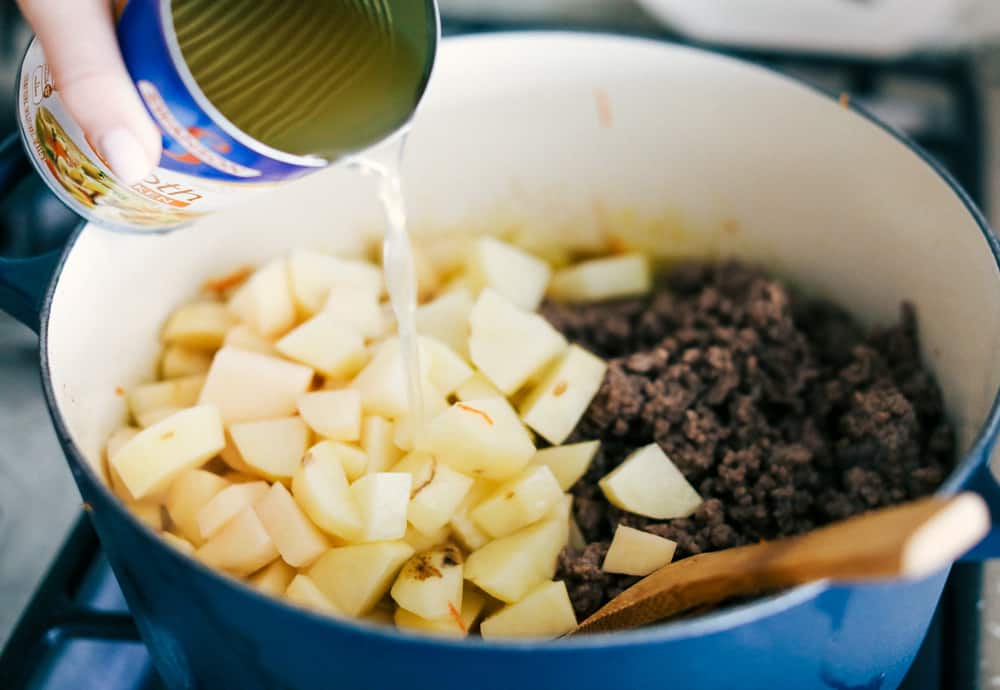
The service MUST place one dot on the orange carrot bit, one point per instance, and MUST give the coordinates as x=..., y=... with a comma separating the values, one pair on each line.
x=457, y=617
x=473, y=410
x=119, y=391
x=844, y=100
x=234, y=279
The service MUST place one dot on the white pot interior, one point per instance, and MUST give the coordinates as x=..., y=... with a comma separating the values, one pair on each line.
x=570, y=139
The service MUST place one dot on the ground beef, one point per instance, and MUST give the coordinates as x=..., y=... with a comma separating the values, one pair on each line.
x=779, y=410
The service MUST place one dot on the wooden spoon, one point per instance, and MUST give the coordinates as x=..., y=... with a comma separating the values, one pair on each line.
x=907, y=541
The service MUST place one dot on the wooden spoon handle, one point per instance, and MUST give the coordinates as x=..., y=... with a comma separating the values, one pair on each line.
x=907, y=541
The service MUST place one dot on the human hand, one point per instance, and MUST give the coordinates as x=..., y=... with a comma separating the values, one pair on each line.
x=81, y=47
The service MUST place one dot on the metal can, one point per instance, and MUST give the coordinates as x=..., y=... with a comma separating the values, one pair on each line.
x=248, y=94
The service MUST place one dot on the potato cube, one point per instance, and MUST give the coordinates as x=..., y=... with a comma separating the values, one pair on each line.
x=634, y=552
x=436, y=491
x=546, y=612
x=353, y=459
x=118, y=438
x=473, y=603
x=358, y=308
x=149, y=513
x=327, y=345
x=377, y=442
x=314, y=275
x=477, y=387
x=576, y=539
x=247, y=386
x=179, y=361
x=404, y=429
x=447, y=319
x=518, y=502
x=383, y=382
x=556, y=404
x=243, y=337
x=481, y=438
x=509, y=567
x=147, y=419
x=462, y=526
x=230, y=455
x=568, y=463
x=648, y=483
x=187, y=495
x=430, y=583
x=380, y=615
x=179, y=543
x=446, y=369
x=273, y=579
x=514, y=273
x=200, y=325
x=510, y=345
x=382, y=499
x=355, y=577
x=321, y=490
x=302, y=591
x=334, y=415
x=177, y=393
x=227, y=503
x=424, y=542
x=613, y=277
x=297, y=539
x=264, y=302
x=240, y=547
x=272, y=447
x=155, y=456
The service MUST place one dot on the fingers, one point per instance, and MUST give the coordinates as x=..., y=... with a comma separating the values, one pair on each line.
x=82, y=50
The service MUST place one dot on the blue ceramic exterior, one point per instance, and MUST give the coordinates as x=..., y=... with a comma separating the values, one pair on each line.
x=208, y=632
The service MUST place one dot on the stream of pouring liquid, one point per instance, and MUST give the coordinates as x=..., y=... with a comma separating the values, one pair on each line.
x=398, y=265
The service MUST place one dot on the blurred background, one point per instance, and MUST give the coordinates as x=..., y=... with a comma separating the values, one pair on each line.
x=929, y=67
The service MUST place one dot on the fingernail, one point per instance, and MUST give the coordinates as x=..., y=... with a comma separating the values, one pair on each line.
x=123, y=152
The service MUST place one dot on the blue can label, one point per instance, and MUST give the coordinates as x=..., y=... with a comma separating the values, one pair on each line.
x=207, y=164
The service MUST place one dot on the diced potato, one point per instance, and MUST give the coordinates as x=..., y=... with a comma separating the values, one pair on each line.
x=576, y=539
x=329, y=346
x=334, y=415
x=377, y=442
x=447, y=319
x=230, y=455
x=264, y=302
x=481, y=438
x=177, y=393
x=155, y=456
x=476, y=388
x=554, y=407
x=321, y=490
x=613, y=277
x=358, y=308
x=430, y=583
x=451, y=625
x=355, y=577
x=510, y=345
x=518, y=502
x=243, y=337
x=568, y=463
x=382, y=499
x=509, y=567
x=187, y=495
x=436, y=491
x=179, y=361
x=149, y=513
x=648, y=483
x=248, y=386
x=404, y=431
x=463, y=527
x=273, y=579
x=272, y=447
x=446, y=369
x=241, y=546
x=378, y=616
x=313, y=275
x=297, y=539
x=119, y=438
x=147, y=419
x=179, y=543
x=201, y=325
x=383, y=382
x=424, y=542
x=545, y=613
x=515, y=274
x=353, y=459
x=302, y=590
x=634, y=552
x=227, y=503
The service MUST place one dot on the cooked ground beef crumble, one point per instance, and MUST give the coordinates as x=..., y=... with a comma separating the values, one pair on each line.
x=779, y=410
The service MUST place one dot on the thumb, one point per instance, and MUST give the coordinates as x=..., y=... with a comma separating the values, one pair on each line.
x=82, y=51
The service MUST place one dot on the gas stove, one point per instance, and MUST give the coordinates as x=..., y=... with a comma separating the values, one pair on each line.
x=75, y=632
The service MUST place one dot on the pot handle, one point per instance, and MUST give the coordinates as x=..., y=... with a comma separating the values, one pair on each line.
x=23, y=282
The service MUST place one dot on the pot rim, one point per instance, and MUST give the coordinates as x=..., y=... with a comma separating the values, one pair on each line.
x=699, y=626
